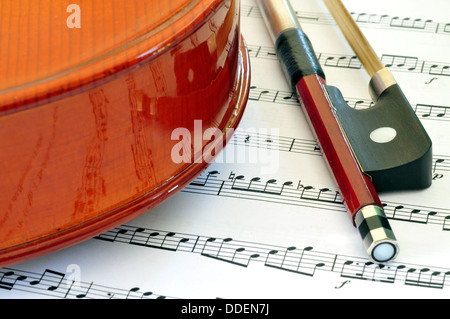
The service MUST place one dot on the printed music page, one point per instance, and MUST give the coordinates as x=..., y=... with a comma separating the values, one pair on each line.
x=266, y=220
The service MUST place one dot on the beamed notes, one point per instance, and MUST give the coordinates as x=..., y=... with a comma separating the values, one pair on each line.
x=396, y=63
x=304, y=260
x=299, y=194
x=238, y=232
x=368, y=20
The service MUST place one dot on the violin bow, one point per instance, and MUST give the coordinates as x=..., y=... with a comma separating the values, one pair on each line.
x=380, y=75
x=384, y=147
x=401, y=145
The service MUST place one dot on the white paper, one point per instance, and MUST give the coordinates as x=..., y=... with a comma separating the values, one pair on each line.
x=281, y=231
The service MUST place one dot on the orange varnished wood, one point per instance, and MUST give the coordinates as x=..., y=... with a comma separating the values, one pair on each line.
x=87, y=114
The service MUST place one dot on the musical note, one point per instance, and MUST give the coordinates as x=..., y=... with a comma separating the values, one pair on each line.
x=321, y=197
x=304, y=189
x=227, y=253
x=433, y=110
x=50, y=279
x=115, y=236
x=399, y=62
x=167, y=237
x=409, y=23
x=446, y=28
x=369, y=271
x=289, y=97
x=260, y=95
x=9, y=279
x=239, y=186
x=134, y=293
x=368, y=18
x=414, y=215
x=436, y=162
x=425, y=277
x=304, y=261
x=444, y=225
x=358, y=104
x=137, y=239
x=210, y=174
x=84, y=294
x=427, y=111
x=384, y=21
x=293, y=262
x=346, y=62
x=439, y=69
x=436, y=112
x=131, y=291
x=140, y=236
x=248, y=187
x=355, y=270
x=155, y=239
x=49, y=284
x=254, y=179
x=307, y=261
x=384, y=273
x=273, y=254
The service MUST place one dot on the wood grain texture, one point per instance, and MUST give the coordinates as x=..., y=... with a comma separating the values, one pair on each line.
x=355, y=37
x=355, y=187
x=87, y=114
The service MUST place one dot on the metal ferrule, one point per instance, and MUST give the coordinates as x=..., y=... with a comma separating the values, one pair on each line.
x=278, y=16
x=375, y=230
x=380, y=82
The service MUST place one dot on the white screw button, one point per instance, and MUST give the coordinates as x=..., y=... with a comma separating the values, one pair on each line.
x=383, y=135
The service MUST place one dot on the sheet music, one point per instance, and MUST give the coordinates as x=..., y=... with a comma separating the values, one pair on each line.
x=266, y=220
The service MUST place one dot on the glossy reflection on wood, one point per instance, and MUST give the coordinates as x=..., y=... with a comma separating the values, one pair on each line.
x=87, y=114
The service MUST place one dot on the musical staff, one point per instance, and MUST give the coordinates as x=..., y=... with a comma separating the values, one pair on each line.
x=432, y=112
x=423, y=111
x=295, y=193
x=345, y=62
x=305, y=146
x=52, y=283
x=50, y=278
x=396, y=63
x=367, y=20
x=305, y=261
x=229, y=233
x=386, y=21
x=293, y=260
x=9, y=279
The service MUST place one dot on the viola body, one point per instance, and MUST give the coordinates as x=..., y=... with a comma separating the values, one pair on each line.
x=89, y=111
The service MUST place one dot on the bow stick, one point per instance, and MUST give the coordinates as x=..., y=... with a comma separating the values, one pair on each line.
x=384, y=147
